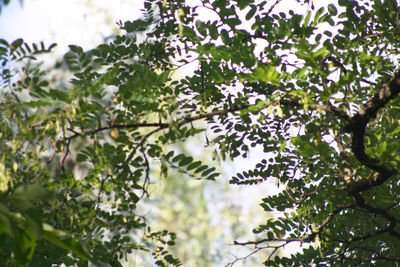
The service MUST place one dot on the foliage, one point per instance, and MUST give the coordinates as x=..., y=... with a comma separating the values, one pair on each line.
x=318, y=92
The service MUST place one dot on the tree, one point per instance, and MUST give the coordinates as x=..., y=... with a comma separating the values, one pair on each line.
x=318, y=92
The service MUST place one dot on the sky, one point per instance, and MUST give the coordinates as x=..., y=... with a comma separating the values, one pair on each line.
x=80, y=22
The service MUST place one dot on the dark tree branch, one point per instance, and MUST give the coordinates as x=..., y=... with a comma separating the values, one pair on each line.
x=357, y=126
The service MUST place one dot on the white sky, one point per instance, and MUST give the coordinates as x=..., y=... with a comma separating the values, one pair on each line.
x=80, y=22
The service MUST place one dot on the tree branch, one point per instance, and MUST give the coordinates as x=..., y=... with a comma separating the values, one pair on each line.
x=327, y=108
x=357, y=126
x=304, y=238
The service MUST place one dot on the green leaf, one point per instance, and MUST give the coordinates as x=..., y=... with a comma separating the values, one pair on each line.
x=4, y=43
x=318, y=15
x=60, y=95
x=178, y=158
x=213, y=31
x=240, y=128
x=332, y=9
x=266, y=74
x=65, y=241
x=17, y=43
x=251, y=12
x=52, y=46
x=6, y=220
x=188, y=32
x=81, y=157
x=24, y=244
x=193, y=165
x=24, y=196
x=185, y=161
x=233, y=22
x=24, y=238
x=225, y=37
x=208, y=171
x=137, y=25
x=31, y=192
x=307, y=19
x=201, y=27
x=200, y=169
x=382, y=147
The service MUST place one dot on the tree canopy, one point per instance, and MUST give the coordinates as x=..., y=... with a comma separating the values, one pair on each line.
x=317, y=91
